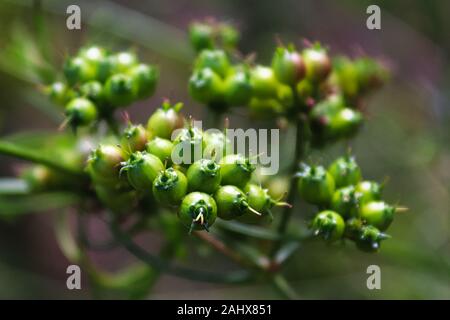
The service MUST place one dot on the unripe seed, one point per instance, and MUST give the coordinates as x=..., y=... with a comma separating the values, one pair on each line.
x=198, y=211
x=370, y=74
x=124, y=61
x=93, y=90
x=237, y=88
x=229, y=36
x=170, y=186
x=201, y=36
x=120, y=90
x=59, y=93
x=305, y=89
x=145, y=78
x=165, y=120
x=236, y=170
x=263, y=82
x=216, y=60
x=329, y=225
x=285, y=96
x=189, y=140
x=353, y=227
x=369, y=239
x=78, y=70
x=377, y=213
x=231, y=202
x=95, y=57
x=260, y=201
x=278, y=186
x=345, y=123
x=106, y=68
x=80, y=112
x=317, y=63
x=266, y=108
x=142, y=168
x=345, y=202
x=288, y=65
x=345, y=171
x=315, y=185
x=103, y=164
x=162, y=148
x=328, y=107
x=204, y=176
x=206, y=86
x=134, y=138
x=368, y=191
x=217, y=145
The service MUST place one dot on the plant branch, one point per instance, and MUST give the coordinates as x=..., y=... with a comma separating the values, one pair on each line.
x=284, y=288
x=13, y=150
x=298, y=154
x=248, y=230
x=183, y=272
x=220, y=247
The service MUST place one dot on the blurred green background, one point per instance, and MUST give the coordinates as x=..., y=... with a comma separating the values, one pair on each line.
x=406, y=137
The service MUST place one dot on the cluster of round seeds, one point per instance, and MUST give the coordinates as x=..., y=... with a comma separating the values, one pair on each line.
x=307, y=83
x=142, y=167
x=98, y=82
x=349, y=206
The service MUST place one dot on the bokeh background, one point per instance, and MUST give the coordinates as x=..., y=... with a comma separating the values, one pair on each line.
x=406, y=138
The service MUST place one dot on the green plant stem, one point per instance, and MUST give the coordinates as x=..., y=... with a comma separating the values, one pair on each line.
x=163, y=265
x=220, y=247
x=214, y=115
x=284, y=288
x=113, y=125
x=41, y=30
x=248, y=230
x=298, y=154
x=13, y=150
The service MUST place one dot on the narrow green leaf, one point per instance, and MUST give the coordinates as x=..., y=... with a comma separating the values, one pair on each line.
x=13, y=206
x=37, y=156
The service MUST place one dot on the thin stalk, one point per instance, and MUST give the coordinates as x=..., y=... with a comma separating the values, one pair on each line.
x=10, y=149
x=220, y=247
x=214, y=114
x=41, y=30
x=113, y=126
x=298, y=153
x=300, y=146
x=165, y=266
x=248, y=230
x=284, y=288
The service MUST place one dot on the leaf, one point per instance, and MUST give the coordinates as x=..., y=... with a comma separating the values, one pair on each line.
x=22, y=59
x=41, y=139
x=13, y=206
x=134, y=282
x=286, y=251
x=62, y=161
x=65, y=239
x=125, y=23
x=40, y=102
